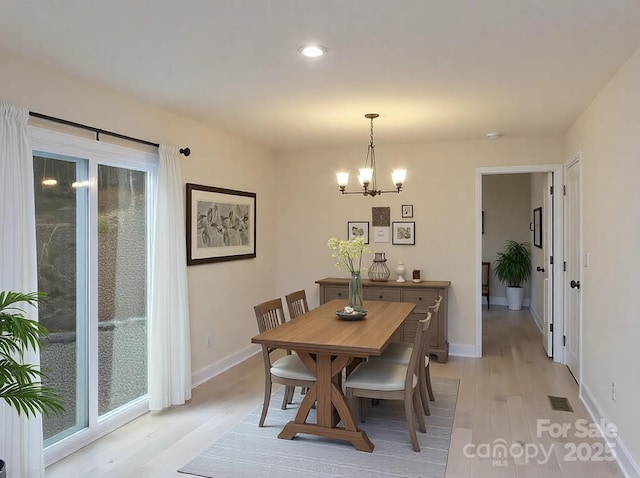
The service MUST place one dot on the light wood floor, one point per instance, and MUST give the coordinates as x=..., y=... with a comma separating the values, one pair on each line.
x=501, y=397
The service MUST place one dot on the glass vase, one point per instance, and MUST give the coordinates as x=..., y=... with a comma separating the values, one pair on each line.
x=378, y=271
x=355, y=291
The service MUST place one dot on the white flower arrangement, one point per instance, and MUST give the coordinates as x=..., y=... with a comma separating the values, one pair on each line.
x=349, y=253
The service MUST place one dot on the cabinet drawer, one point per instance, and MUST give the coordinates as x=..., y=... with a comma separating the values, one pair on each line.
x=379, y=293
x=331, y=293
x=423, y=298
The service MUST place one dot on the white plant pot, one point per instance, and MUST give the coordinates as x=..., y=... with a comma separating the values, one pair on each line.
x=514, y=297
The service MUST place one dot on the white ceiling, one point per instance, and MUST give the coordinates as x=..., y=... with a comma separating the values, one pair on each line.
x=435, y=70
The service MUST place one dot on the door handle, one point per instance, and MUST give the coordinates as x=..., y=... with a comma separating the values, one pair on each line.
x=574, y=284
x=540, y=269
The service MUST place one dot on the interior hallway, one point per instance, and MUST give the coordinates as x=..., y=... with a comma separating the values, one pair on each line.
x=501, y=396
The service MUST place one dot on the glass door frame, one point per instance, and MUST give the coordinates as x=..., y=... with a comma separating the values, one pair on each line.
x=94, y=152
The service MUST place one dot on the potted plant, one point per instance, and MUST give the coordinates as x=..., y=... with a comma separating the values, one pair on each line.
x=512, y=268
x=21, y=383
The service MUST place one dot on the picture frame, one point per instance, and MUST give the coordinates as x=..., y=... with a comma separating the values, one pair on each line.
x=358, y=228
x=381, y=233
x=381, y=216
x=221, y=224
x=537, y=227
x=403, y=233
x=407, y=211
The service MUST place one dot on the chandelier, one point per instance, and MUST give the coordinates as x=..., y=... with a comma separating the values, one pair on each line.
x=367, y=176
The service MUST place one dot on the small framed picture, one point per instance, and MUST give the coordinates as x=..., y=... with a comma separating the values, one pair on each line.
x=357, y=229
x=403, y=232
x=407, y=210
x=381, y=233
x=537, y=227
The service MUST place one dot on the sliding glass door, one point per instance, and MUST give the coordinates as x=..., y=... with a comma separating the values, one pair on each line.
x=61, y=223
x=122, y=287
x=93, y=210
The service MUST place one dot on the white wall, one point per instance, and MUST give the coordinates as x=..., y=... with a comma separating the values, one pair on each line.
x=608, y=133
x=441, y=187
x=221, y=295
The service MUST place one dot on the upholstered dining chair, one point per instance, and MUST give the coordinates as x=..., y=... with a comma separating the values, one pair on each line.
x=392, y=381
x=486, y=275
x=400, y=353
x=297, y=303
x=288, y=370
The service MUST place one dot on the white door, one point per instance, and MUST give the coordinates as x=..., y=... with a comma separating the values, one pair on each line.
x=547, y=268
x=573, y=270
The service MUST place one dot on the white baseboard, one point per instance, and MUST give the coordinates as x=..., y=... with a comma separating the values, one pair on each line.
x=536, y=317
x=216, y=368
x=462, y=350
x=626, y=462
x=503, y=301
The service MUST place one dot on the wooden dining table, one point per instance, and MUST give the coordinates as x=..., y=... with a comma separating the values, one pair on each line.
x=326, y=345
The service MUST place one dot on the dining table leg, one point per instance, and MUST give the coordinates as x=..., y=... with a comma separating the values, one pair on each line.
x=331, y=404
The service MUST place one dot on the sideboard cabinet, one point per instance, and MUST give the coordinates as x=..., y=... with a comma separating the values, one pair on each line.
x=422, y=293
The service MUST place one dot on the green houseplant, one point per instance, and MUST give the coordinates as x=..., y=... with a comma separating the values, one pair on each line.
x=512, y=268
x=21, y=383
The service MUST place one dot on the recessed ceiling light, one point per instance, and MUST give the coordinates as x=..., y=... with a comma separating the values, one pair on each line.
x=313, y=51
x=494, y=135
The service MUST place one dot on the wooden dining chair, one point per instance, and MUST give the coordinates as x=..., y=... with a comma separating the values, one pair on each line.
x=400, y=353
x=391, y=381
x=288, y=370
x=486, y=275
x=297, y=303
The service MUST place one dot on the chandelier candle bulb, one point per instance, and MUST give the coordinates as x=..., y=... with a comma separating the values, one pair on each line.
x=343, y=179
x=398, y=176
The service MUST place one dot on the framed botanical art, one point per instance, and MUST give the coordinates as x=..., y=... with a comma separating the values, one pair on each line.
x=403, y=233
x=358, y=228
x=221, y=224
x=407, y=211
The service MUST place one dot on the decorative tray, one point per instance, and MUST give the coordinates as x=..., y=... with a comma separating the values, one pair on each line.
x=355, y=315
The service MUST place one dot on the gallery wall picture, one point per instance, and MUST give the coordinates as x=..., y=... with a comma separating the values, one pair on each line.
x=407, y=211
x=357, y=229
x=381, y=216
x=403, y=233
x=381, y=233
x=221, y=224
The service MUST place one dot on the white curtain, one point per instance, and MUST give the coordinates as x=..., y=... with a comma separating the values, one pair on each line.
x=20, y=438
x=169, y=341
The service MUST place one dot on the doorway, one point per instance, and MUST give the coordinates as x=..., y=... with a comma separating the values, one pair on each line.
x=552, y=223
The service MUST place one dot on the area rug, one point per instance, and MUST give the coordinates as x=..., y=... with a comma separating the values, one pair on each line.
x=247, y=451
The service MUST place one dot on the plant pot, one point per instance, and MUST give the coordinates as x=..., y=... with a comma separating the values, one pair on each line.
x=3, y=469
x=514, y=297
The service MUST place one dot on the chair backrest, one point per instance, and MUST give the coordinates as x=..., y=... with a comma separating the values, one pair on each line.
x=269, y=314
x=433, y=310
x=417, y=353
x=297, y=303
x=436, y=305
x=485, y=273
